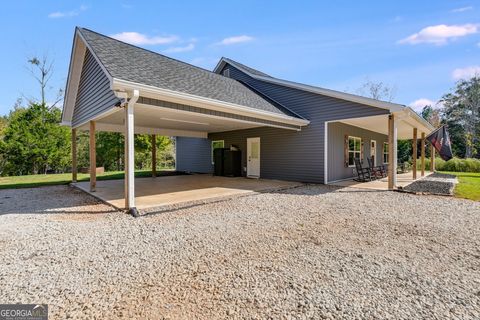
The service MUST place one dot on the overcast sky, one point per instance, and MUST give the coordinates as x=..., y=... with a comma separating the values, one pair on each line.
x=419, y=47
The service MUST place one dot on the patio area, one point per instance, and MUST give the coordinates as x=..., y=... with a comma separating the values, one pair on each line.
x=403, y=180
x=181, y=190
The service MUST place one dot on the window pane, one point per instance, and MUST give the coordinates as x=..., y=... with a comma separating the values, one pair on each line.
x=358, y=144
x=385, y=147
x=351, y=144
x=350, y=158
x=255, y=148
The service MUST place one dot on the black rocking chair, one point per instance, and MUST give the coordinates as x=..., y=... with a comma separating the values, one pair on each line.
x=363, y=174
x=378, y=171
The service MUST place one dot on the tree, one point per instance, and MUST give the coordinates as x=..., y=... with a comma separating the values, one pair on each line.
x=377, y=90
x=461, y=113
x=431, y=115
x=42, y=71
x=34, y=142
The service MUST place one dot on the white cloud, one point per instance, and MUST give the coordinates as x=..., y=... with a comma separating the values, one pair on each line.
x=235, y=40
x=142, y=39
x=466, y=73
x=67, y=14
x=440, y=34
x=418, y=104
x=189, y=47
x=462, y=9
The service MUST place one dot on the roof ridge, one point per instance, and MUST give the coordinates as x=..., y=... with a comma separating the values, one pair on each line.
x=149, y=51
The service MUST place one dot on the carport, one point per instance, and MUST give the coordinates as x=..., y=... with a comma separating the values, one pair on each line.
x=113, y=86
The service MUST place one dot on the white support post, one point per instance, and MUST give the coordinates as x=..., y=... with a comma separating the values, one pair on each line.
x=130, y=155
x=395, y=151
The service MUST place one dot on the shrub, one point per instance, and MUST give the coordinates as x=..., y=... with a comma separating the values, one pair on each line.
x=455, y=164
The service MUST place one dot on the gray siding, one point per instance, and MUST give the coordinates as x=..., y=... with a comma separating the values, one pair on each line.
x=193, y=155
x=336, y=135
x=304, y=150
x=94, y=95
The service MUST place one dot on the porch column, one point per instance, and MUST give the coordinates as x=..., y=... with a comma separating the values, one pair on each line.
x=392, y=152
x=130, y=155
x=74, y=155
x=432, y=156
x=93, y=158
x=414, y=151
x=423, y=154
x=154, y=155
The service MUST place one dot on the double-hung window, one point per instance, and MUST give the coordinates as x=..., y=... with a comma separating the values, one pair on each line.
x=354, y=150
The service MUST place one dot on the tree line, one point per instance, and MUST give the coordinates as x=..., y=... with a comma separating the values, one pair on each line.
x=32, y=141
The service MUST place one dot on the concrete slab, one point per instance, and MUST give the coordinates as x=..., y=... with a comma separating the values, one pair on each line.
x=175, y=190
x=403, y=180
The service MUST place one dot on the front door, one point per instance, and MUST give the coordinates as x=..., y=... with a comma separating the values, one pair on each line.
x=373, y=152
x=253, y=157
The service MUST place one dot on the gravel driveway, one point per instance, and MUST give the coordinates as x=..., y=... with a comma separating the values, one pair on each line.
x=308, y=252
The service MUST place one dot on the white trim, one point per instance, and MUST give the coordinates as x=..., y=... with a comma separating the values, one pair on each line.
x=259, y=157
x=375, y=152
x=354, y=151
x=325, y=153
x=202, y=102
x=95, y=56
x=327, y=92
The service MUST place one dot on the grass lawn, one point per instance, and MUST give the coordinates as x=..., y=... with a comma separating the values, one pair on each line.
x=468, y=186
x=39, y=180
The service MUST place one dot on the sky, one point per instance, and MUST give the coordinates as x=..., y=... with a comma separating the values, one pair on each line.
x=420, y=48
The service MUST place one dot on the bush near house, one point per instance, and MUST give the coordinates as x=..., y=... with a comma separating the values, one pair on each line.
x=453, y=165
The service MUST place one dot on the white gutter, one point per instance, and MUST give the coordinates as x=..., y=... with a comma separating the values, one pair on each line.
x=202, y=102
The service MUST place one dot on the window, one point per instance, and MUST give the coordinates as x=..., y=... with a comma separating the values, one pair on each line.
x=217, y=144
x=385, y=152
x=354, y=150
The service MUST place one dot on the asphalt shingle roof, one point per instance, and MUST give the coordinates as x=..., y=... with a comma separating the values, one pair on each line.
x=127, y=62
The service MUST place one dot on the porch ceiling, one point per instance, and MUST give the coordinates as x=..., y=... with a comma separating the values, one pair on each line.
x=153, y=119
x=379, y=124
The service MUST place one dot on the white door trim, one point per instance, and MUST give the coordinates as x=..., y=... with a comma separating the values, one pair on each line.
x=250, y=167
x=374, y=150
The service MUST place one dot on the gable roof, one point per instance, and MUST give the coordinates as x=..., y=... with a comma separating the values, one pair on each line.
x=392, y=107
x=137, y=65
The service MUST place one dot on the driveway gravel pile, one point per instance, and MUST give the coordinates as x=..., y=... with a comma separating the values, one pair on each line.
x=436, y=183
x=309, y=252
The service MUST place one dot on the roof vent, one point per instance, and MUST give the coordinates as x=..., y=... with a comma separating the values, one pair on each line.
x=226, y=73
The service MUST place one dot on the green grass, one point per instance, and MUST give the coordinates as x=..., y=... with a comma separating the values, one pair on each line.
x=468, y=186
x=39, y=180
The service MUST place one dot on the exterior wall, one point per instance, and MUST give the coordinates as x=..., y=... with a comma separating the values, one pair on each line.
x=94, y=95
x=193, y=155
x=336, y=161
x=305, y=149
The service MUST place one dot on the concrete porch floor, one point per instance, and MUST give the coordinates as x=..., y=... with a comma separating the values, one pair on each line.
x=181, y=189
x=403, y=180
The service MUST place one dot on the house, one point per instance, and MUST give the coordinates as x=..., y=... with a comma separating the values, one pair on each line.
x=285, y=130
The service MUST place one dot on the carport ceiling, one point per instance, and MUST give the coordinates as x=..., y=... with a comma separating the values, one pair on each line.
x=149, y=118
x=380, y=124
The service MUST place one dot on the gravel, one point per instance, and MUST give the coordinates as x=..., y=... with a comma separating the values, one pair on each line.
x=309, y=252
x=436, y=183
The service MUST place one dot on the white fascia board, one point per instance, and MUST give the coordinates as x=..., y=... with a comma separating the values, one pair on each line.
x=409, y=116
x=73, y=79
x=95, y=56
x=393, y=107
x=202, y=102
